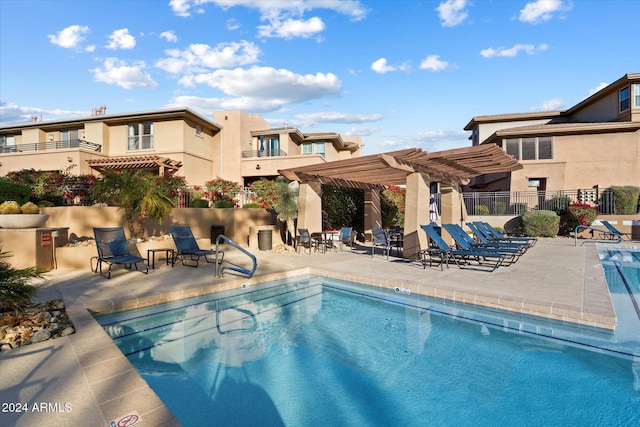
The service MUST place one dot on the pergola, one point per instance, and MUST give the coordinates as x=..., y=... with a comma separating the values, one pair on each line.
x=411, y=167
x=163, y=165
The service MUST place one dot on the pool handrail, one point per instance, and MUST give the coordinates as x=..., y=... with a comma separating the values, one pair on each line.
x=248, y=273
x=599, y=230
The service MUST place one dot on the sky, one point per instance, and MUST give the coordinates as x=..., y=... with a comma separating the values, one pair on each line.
x=398, y=73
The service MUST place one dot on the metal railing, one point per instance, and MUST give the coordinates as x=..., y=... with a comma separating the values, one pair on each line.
x=51, y=145
x=242, y=198
x=263, y=153
x=520, y=202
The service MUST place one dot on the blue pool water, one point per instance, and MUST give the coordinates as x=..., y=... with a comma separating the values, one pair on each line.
x=316, y=351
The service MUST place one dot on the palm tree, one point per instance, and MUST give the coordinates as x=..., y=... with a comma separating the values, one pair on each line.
x=287, y=205
x=153, y=202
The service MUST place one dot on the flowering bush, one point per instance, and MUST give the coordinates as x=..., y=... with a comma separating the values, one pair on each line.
x=266, y=194
x=393, y=212
x=222, y=190
x=580, y=214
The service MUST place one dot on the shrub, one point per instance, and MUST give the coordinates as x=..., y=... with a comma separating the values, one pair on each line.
x=221, y=189
x=14, y=191
x=265, y=193
x=9, y=207
x=224, y=204
x=199, y=203
x=15, y=291
x=580, y=214
x=45, y=204
x=541, y=223
x=250, y=205
x=626, y=199
x=481, y=210
x=499, y=208
x=519, y=208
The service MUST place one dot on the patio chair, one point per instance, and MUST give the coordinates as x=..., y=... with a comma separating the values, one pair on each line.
x=113, y=248
x=346, y=237
x=615, y=231
x=495, y=234
x=489, y=259
x=306, y=241
x=380, y=239
x=188, y=249
x=466, y=242
x=484, y=241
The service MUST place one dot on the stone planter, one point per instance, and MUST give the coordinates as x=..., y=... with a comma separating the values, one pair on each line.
x=23, y=220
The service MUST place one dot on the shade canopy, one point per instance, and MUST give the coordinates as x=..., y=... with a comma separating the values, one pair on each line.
x=163, y=165
x=377, y=170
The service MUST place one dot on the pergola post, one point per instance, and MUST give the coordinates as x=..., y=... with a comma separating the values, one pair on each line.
x=453, y=211
x=416, y=213
x=372, y=212
x=310, y=206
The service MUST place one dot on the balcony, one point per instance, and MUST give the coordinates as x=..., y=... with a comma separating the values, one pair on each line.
x=52, y=145
x=263, y=153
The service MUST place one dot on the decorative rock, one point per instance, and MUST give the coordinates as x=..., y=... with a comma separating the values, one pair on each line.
x=67, y=331
x=41, y=335
x=5, y=347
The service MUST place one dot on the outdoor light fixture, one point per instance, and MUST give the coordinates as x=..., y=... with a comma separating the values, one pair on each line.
x=257, y=166
x=69, y=159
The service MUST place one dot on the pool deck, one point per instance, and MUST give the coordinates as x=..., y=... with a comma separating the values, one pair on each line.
x=86, y=371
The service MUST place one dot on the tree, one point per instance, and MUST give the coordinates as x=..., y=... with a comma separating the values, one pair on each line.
x=15, y=291
x=287, y=205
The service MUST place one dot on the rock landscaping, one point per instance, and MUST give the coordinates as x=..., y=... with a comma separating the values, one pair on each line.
x=38, y=322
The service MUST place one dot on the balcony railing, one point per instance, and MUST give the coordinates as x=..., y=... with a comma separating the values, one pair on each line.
x=263, y=153
x=519, y=202
x=51, y=145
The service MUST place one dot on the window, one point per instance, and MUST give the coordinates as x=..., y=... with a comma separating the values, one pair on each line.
x=318, y=148
x=140, y=136
x=636, y=94
x=530, y=148
x=625, y=99
x=7, y=143
x=307, y=148
x=314, y=148
x=69, y=135
x=199, y=131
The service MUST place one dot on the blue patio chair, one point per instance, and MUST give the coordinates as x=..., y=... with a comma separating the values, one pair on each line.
x=380, y=239
x=484, y=241
x=113, y=248
x=346, y=237
x=304, y=240
x=614, y=231
x=482, y=258
x=495, y=234
x=188, y=249
x=466, y=242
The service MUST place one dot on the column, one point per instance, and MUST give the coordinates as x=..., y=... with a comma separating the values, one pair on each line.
x=453, y=210
x=310, y=206
x=416, y=213
x=372, y=212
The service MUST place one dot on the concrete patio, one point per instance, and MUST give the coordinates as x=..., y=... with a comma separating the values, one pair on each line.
x=87, y=372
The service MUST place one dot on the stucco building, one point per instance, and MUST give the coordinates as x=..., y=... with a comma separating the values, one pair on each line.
x=234, y=145
x=594, y=143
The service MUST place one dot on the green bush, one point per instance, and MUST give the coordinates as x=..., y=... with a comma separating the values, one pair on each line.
x=519, y=208
x=499, y=208
x=199, y=203
x=45, y=204
x=224, y=204
x=250, y=205
x=481, y=210
x=541, y=223
x=626, y=199
x=14, y=191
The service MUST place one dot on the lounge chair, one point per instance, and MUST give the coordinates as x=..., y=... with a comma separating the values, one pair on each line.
x=484, y=241
x=188, y=249
x=495, y=234
x=380, y=239
x=113, y=248
x=466, y=242
x=482, y=258
x=305, y=240
x=615, y=232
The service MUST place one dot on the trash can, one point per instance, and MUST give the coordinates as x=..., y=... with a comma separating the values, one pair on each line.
x=216, y=230
x=264, y=240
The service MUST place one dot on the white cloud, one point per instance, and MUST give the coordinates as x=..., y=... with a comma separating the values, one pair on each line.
x=452, y=12
x=541, y=10
x=70, y=37
x=598, y=88
x=282, y=86
x=292, y=28
x=550, y=105
x=511, y=52
x=433, y=63
x=201, y=57
x=115, y=71
x=180, y=7
x=438, y=140
x=361, y=131
x=121, y=39
x=13, y=113
x=232, y=25
x=311, y=119
x=381, y=66
x=169, y=36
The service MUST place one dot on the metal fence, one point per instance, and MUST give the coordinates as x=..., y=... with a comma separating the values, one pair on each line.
x=51, y=145
x=519, y=202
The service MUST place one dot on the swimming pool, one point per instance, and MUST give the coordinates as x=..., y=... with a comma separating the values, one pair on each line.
x=317, y=351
